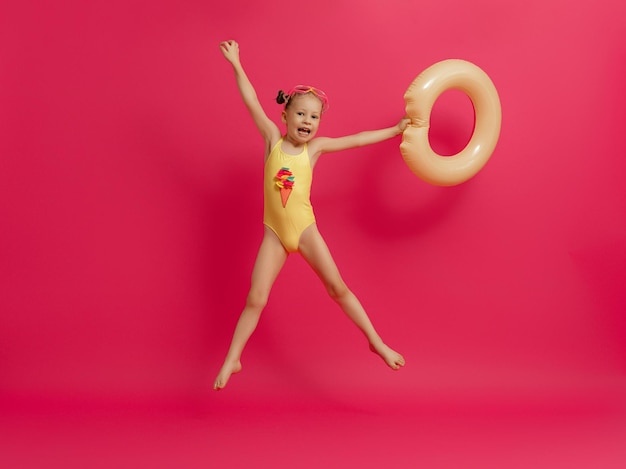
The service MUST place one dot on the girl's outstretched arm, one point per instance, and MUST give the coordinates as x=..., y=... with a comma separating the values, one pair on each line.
x=266, y=126
x=326, y=144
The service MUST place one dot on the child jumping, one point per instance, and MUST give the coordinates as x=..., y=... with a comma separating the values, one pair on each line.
x=289, y=222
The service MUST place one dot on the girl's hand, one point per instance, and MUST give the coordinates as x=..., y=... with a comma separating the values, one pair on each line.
x=230, y=49
x=402, y=125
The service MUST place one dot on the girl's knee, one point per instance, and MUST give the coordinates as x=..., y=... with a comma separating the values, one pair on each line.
x=337, y=290
x=257, y=299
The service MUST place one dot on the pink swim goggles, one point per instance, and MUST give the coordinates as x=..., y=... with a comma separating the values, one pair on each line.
x=304, y=89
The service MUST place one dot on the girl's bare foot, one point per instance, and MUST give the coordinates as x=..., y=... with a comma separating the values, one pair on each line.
x=228, y=368
x=392, y=358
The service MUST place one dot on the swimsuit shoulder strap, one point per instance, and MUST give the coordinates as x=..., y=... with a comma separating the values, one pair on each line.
x=280, y=140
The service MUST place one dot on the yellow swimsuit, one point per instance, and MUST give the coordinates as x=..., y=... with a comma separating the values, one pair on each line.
x=287, y=180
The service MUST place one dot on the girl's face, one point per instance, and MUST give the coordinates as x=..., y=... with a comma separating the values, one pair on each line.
x=302, y=117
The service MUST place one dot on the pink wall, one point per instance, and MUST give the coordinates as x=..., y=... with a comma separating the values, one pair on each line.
x=130, y=199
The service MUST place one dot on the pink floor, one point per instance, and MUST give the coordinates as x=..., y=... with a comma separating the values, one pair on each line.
x=218, y=430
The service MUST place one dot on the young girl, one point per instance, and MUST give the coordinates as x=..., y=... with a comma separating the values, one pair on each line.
x=289, y=223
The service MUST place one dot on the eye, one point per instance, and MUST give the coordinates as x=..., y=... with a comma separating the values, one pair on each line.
x=300, y=113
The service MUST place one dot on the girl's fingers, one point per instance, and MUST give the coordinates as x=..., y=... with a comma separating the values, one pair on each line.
x=228, y=46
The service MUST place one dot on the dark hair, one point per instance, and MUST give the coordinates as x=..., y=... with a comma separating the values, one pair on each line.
x=282, y=98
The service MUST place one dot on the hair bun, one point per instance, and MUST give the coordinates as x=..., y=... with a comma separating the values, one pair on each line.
x=282, y=98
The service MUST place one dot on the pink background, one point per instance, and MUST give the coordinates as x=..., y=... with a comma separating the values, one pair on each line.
x=131, y=208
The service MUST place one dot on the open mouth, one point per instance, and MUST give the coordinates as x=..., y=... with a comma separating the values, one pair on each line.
x=304, y=131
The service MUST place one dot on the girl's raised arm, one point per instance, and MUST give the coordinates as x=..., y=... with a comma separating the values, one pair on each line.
x=266, y=126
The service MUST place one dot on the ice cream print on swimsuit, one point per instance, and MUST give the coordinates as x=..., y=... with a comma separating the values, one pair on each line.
x=285, y=183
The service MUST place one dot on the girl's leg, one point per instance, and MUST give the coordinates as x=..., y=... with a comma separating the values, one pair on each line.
x=269, y=261
x=315, y=251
